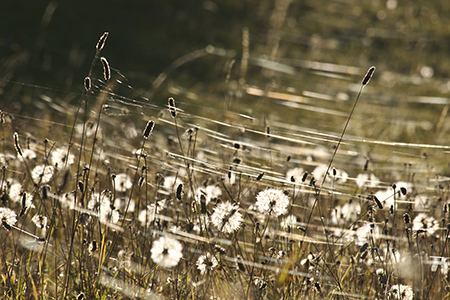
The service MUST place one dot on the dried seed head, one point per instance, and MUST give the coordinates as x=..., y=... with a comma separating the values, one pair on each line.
x=24, y=206
x=172, y=108
x=378, y=202
x=240, y=264
x=102, y=41
x=16, y=144
x=364, y=247
x=180, y=191
x=366, y=165
x=403, y=191
x=141, y=180
x=106, y=69
x=81, y=186
x=87, y=83
x=368, y=75
x=149, y=129
x=364, y=254
x=304, y=176
x=406, y=218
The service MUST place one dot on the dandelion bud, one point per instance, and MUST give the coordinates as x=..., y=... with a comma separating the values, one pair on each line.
x=141, y=180
x=240, y=264
x=260, y=176
x=364, y=247
x=380, y=206
x=203, y=203
x=149, y=129
x=106, y=69
x=403, y=191
x=172, y=108
x=87, y=83
x=366, y=165
x=363, y=256
x=368, y=75
x=406, y=218
x=102, y=41
x=16, y=144
x=24, y=207
x=304, y=176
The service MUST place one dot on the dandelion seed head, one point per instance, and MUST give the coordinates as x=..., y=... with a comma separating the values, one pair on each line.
x=319, y=173
x=44, y=172
x=296, y=174
x=40, y=221
x=16, y=194
x=122, y=182
x=425, y=223
x=365, y=180
x=210, y=192
x=206, y=263
x=272, y=202
x=8, y=217
x=348, y=212
x=172, y=182
x=28, y=154
x=203, y=221
x=442, y=262
x=289, y=222
x=400, y=292
x=147, y=216
x=121, y=203
x=60, y=158
x=226, y=217
x=67, y=200
x=166, y=252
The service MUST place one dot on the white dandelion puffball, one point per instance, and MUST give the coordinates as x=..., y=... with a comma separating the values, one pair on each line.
x=206, y=263
x=272, y=202
x=7, y=217
x=61, y=157
x=296, y=174
x=226, y=217
x=42, y=174
x=166, y=252
x=122, y=182
x=401, y=292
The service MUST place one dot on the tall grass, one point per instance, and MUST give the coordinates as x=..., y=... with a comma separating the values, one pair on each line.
x=189, y=202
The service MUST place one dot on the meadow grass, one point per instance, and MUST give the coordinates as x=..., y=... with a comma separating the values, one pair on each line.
x=126, y=198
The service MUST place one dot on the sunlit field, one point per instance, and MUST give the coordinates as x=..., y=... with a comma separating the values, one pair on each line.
x=310, y=162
